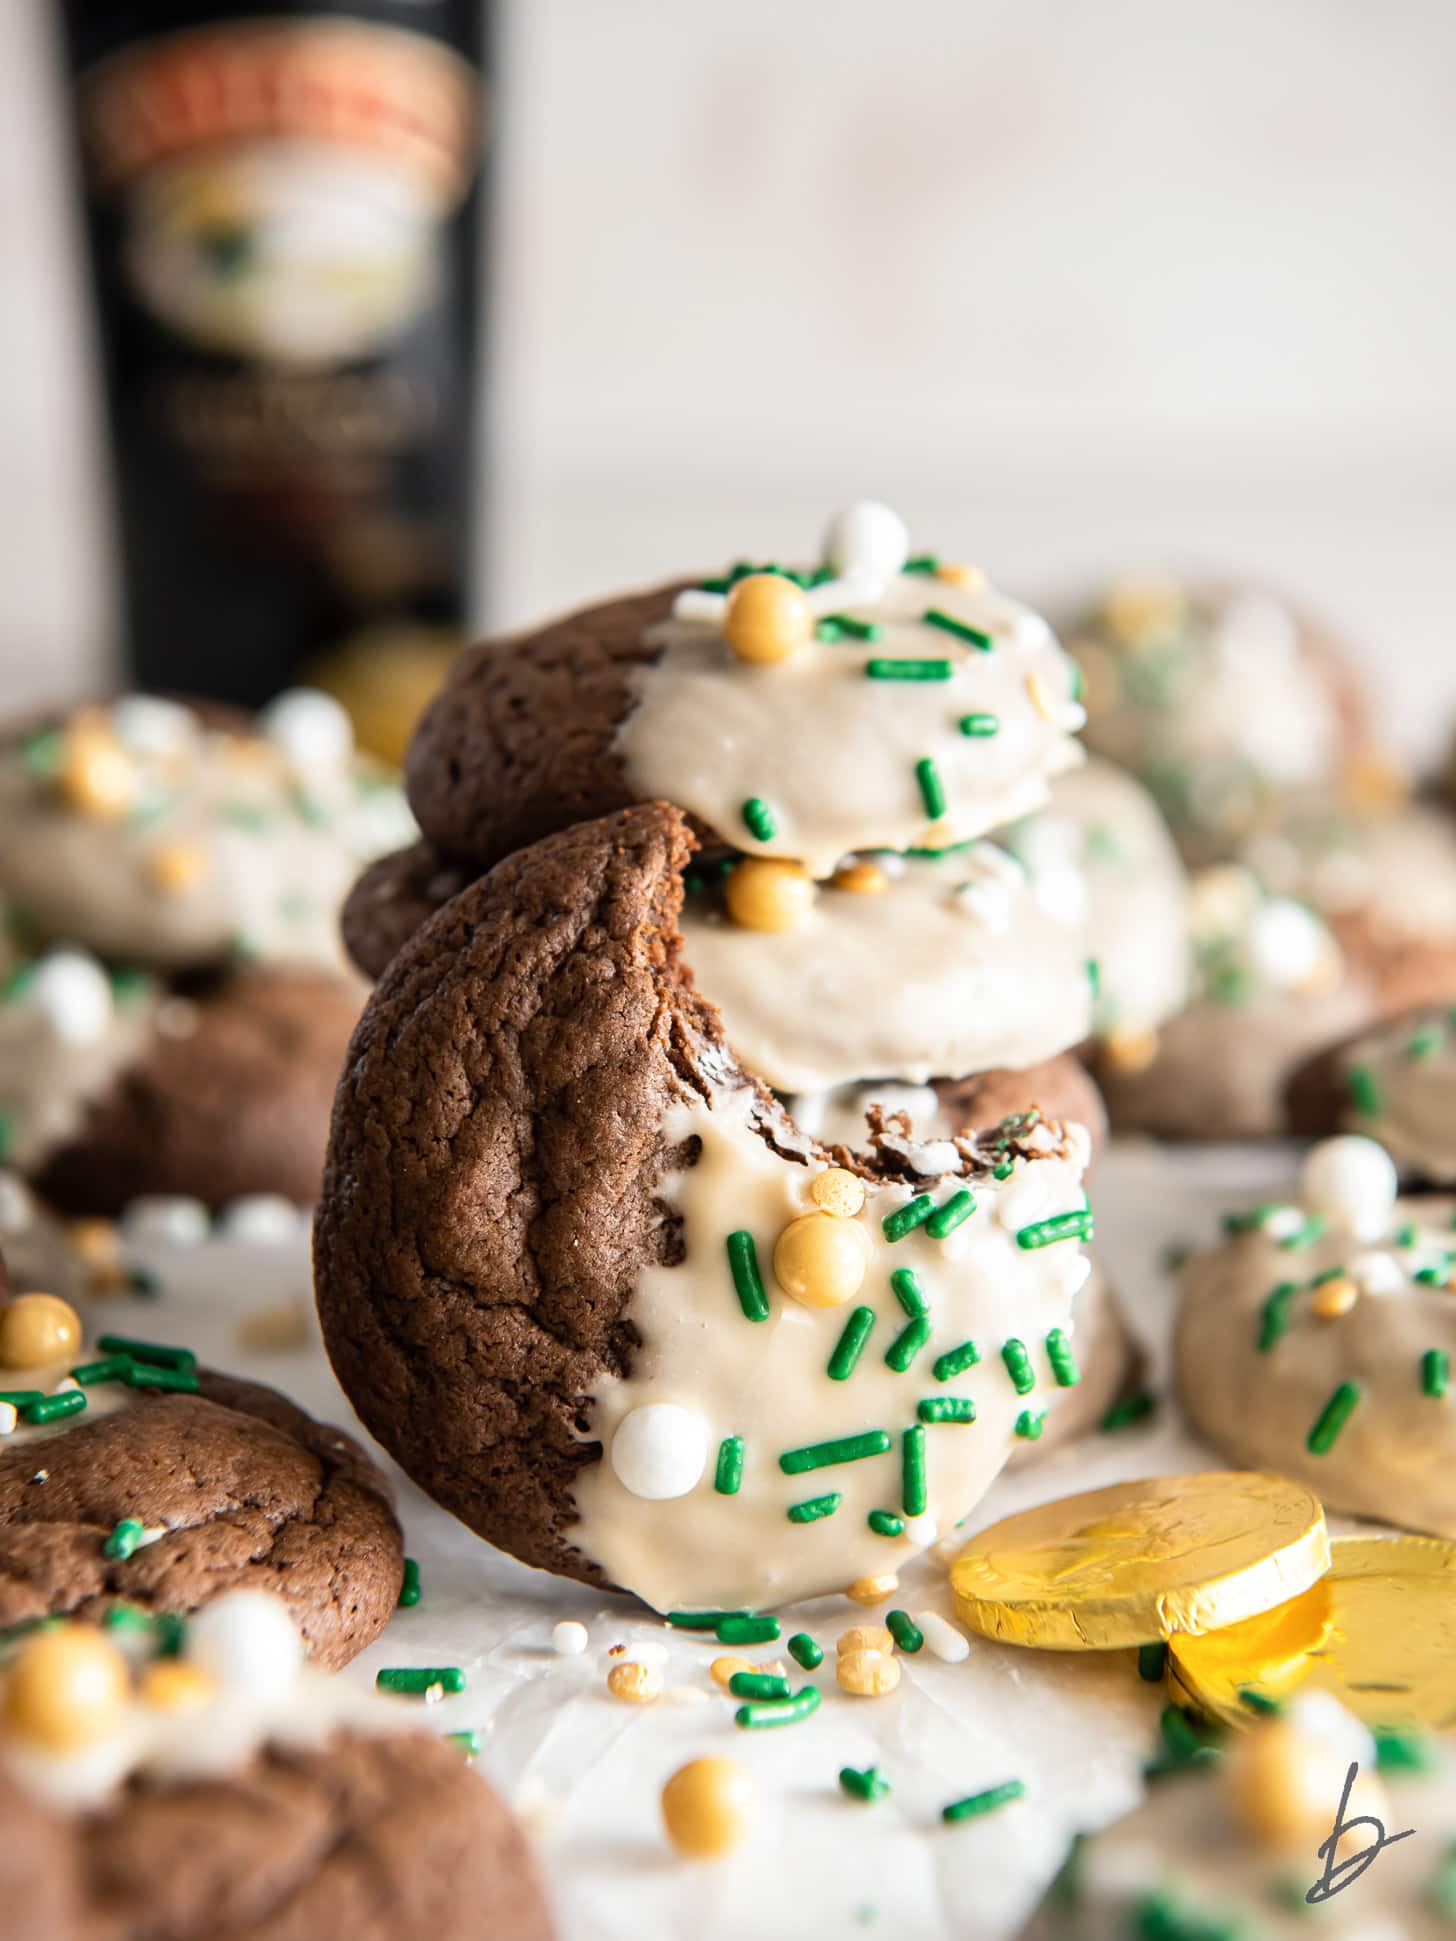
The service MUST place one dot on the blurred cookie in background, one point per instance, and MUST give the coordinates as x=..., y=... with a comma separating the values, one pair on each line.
x=1395, y=1082
x=1270, y=986
x=1101, y=859
x=1226, y=702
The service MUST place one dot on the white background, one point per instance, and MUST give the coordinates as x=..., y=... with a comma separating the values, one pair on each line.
x=1072, y=285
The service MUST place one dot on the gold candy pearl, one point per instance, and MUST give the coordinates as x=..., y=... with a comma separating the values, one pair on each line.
x=722, y=1669
x=766, y=893
x=66, y=1689
x=820, y=1260
x=177, y=867
x=1333, y=1298
x=767, y=618
x=954, y=573
x=867, y=1674
x=96, y=1243
x=837, y=1192
x=634, y=1683
x=97, y=777
x=708, y=1807
x=872, y=1590
x=1138, y=612
x=1285, y=1786
x=37, y=1329
x=1130, y=1052
x=864, y=878
x=865, y=1637
x=174, y=1685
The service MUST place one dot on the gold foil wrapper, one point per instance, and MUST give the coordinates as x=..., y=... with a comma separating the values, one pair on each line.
x=1140, y=1561
x=1379, y=1632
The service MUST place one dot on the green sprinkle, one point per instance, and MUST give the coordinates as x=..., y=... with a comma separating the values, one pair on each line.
x=905, y=1284
x=905, y=1631
x=308, y=808
x=980, y=727
x=1408, y=1236
x=1402, y=1751
x=738, y=1627
x=1124, y=1413
x=868, y=1785
x=728, y=1477
x=1151, y=1660
x=955, y=1361
x=1030, y=1423
x=906, y=1218
x=1062, y=1226
x=1305, y=1235
x=22, y=1398
x=1004, y=1170
x=932, y=789
x=758, y=1684
x=850, y=1346
x=975, y=1805
x=784, y=1711
x=946, y=1408
x=1332, y=1418
x=122, y=1616
x=759, y=819
x=948, y=624
x=124, y=1539
x=1327, y=1274
x=885, y=1523
x=468, y=1742
x=1259, y=1703
x=417, y=1680
x=804, y=1651
x=1065, y=1891
x=1063, y=1361
x=828, y=630
x=815, y=1508
x=1094, y=976
x=1275, y=1315
x=173, y=1381
x=908, y=1343
x=823, y=1455
x=914, y=1495
x=1180, y=1736
x=54, y=1408
x=169, y=1631
x=848, y=628
x=945, y=1219
x=1363, y=1090
x=709, y=1620
x=409, y=1590
x=129, y=987
x=245, y=815
x=1426, y=1042
x=1018, y=1366
x=908, y=670
x=747, y=1281
x=1441, y=1894
x=1435, y=1373
x=41, y=751
x=922, y=563
x=155, y=1354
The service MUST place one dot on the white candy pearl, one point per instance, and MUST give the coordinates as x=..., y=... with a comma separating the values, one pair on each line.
x=1286, y=943
x=569, y=1638
x=942, y=1637
x=659, y=1450
x=74, y=993
x=261, y=1219
x=1377, y=1274
x=166, y=1219
x=867, y=538
x=309, y=728
x=247, y=1640
x=149, y=725
x=1353, y=1181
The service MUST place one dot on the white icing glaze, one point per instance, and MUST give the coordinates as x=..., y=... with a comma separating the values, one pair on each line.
x=274, y=842
x=953, y=968
x=1395, y=1458
x=1410, y=1064
x=1101, y=856
x=767, y=1382
x=833, y=752
x=49, y=1074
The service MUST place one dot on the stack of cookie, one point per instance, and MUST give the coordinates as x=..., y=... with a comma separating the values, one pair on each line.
x=174, y=1006
x=704, y=1202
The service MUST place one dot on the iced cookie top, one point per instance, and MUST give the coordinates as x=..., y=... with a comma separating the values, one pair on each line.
x=1230, y=1845
x=881, y=700
x=152, y=834
x=901, y=967
x=1223, y=701
x=1101, y=859
x=1317, y=1339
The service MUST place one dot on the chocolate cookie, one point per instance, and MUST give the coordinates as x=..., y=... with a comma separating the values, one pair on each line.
x=799, y=716
x=1396, y=1083
x=544, y=1150
x=213, y=1089
x=226, y=1483
x=392, y=899
x=231, y=1789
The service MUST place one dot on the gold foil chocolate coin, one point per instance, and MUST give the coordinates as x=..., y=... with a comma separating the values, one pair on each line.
x=1118, y=1567
x=1379, y=1632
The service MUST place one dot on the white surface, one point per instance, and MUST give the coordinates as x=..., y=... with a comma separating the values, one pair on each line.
x=586, y=1769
